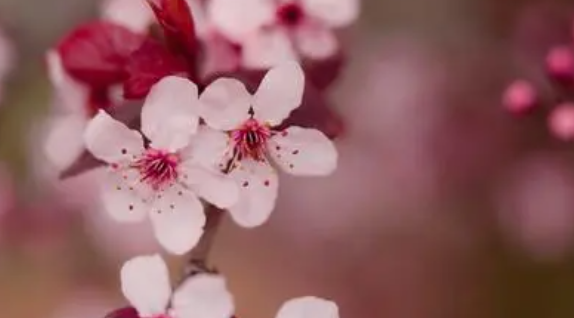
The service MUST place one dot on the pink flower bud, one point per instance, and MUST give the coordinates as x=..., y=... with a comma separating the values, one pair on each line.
x=561, y=121
x=520, y=97
x=560, y=62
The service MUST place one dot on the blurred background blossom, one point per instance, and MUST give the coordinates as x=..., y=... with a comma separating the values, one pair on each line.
x=445, y=204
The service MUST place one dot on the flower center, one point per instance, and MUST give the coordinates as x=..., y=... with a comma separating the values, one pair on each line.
x=157, y=168
x=250, y=140
x=290, y=14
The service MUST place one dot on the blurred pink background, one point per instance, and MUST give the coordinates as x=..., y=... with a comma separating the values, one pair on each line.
x=444, y=205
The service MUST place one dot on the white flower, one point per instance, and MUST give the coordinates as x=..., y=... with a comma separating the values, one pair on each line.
x=135, y=15
x=248, y=125
x=161, y=178
x=272, y=31
x=308, y=307
x=138, y=16
x=145, y=283
x=63, y=143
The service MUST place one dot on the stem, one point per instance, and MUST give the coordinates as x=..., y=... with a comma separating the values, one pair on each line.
x=198, y=258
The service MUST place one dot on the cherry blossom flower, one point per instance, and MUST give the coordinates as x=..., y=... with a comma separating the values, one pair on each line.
x=271, y=31
x=561, y=121
x=560, y=62
x=520, y=97
x=63, y=143
x=162, y=178
x=249, y=126
x=145, y=283
x=135, y=15
x=309, y=306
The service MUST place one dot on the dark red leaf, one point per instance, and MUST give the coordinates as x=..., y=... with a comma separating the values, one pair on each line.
x=150, y=63
x=177, y=23
x=96, y=53
x=324, y=73
x=128, y=312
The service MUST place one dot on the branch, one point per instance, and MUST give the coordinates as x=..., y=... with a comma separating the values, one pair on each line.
x=198, y=257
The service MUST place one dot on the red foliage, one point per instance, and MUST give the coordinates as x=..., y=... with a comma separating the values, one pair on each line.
x=96, y=53
x=148, y=65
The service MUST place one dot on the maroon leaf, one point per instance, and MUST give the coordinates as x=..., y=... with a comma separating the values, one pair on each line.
x=177, y=23
x=149, y=64
x=128, y=312
x=325, y=72
x=96, y=53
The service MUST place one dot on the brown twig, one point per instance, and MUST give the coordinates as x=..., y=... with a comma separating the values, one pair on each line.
x=198, y=258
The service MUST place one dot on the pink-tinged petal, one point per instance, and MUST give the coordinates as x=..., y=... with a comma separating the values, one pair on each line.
x=145, y=283
x=308, y=307
x=148, y=65
x=316, y=42
x=219, y=55
x=314, y=112
x=213, y=186
x=178, y=219
x=207, y=148
x=174, y=16
x=303, y=152
x=71, y=96
x=280, y=92
x=561, y=122
x=258, y=188
x=237, y=19
x=169, y=115
x=124, y=197
x=520, y=97
x=267, y=48
x=203, y=296
x=111, y=141
x=334, y=13
x=96, y=53
x=225, y=104
x=135, y=15
x=64, y=143
x=560, y=62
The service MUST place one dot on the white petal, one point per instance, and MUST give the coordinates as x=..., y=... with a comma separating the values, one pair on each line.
x=169, y=115
x=280, y=92
x=237, y=19
x=111, y=141
x=267, y=48
x=305, y=152
x=135, y=15
x=308, y=307
x=177, y=218
x=71, y=96
x=316, y=41
x=225, y=104
x=124, y=197
x=203, y=296
x=208, y=148
x=258, y=187
x=214, y=186
x=335, y=13
x=145, y=283
x=64, y=142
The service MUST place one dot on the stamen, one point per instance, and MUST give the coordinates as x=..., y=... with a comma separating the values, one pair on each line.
x=157, y=168
x=250, y=141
